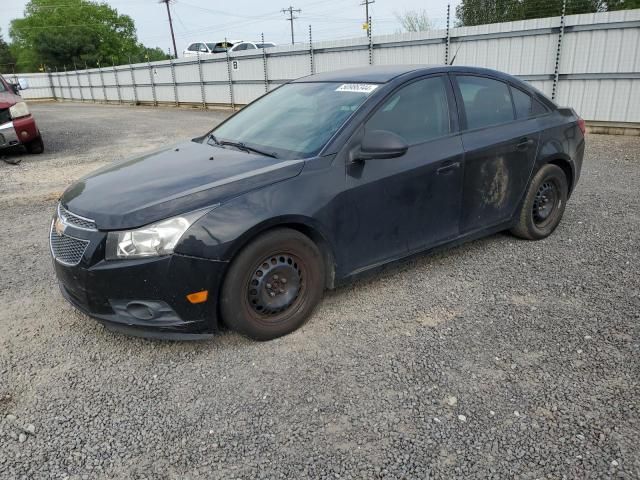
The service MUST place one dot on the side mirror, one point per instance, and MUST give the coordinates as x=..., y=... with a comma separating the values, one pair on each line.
x=15, y=87
x=379, y=144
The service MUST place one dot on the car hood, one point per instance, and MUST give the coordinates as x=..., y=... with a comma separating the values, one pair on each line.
x=171, y=181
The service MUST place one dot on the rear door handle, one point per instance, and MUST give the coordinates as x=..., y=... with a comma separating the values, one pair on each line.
x=450, y=167
x=524, y=143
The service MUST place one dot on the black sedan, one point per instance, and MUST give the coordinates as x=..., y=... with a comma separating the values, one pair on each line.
x=320, y=180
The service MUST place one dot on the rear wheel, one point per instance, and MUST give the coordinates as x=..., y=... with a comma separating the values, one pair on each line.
x=35, y=146
x=544, y=204
x=273, y=285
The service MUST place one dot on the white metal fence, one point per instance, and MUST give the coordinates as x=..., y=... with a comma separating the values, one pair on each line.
x=590, y=62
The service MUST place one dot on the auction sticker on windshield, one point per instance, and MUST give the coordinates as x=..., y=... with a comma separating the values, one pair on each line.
x=357, y=87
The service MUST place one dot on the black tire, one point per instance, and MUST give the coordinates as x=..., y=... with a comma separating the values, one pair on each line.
x=544, y=204
x=273, y=285
x=35, y=146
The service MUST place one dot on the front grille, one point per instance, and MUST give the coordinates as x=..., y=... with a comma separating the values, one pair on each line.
x=5, y=116
x=65, y=249
x=75, y=220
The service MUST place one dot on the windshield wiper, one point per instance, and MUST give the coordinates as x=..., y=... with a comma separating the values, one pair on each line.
x=246, y=148
x=239, y=146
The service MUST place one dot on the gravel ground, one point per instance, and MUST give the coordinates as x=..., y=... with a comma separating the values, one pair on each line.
x=501, y=358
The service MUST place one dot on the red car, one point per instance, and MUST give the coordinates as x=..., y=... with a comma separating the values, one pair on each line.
x=17, y=126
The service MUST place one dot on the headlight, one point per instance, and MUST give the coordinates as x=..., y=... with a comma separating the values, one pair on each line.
x=19, y=110
x=151, y=241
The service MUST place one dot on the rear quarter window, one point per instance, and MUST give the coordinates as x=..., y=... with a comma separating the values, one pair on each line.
x=526, y=106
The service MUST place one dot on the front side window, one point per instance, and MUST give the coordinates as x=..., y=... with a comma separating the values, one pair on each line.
x=418, y=112
x=295, y=120
x=486, y=101
x=2, y=87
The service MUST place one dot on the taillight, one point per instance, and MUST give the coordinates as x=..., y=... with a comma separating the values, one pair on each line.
x=582, y=126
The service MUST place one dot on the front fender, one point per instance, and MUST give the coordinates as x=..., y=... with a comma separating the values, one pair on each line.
x=221, y=233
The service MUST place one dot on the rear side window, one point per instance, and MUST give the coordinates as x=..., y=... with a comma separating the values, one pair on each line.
x=526, y=105
x=418, y=112
x=486, y=101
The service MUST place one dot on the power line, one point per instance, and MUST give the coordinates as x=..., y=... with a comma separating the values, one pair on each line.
x=291, y=18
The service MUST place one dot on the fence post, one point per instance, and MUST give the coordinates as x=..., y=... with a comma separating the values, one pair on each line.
x=264, y=64
x=233, y=105
x=370, y=41
x=153, y=85
x=133, y=83
x=200, y=73
x=53, y=88
x=66, y=74
x=556, y=72
x=175, y=85
x=86, y=69
x=448, y=38
x=311, y=51
x=115, y=74
x=104, y=87
x=78, y=79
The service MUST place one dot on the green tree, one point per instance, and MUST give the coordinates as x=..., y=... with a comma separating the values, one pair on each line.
x=6, y=57
x=59, y=34
x=623, y=4
x=480, y=12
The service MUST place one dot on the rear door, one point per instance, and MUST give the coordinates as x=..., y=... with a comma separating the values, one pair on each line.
x=500, y=151
x=411, y=202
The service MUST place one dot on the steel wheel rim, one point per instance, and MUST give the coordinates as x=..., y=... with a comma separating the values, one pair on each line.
x=276, y=285
x=545, y=203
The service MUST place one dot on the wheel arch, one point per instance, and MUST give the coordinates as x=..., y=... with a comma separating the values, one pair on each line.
x=304, y=225
x=565, y=164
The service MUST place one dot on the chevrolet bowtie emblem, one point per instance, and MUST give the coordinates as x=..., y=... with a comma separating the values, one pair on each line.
x=59, y=227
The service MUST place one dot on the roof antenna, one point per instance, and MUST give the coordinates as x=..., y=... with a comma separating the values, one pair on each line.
x=455, y=54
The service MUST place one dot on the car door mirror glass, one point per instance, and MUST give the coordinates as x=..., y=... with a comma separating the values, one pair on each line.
x=380, y=144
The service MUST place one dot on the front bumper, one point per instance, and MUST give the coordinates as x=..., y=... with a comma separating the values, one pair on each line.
x=145, y=297
x=18, y=131
x=8, y=135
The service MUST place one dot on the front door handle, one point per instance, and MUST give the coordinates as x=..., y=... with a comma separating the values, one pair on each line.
x=524, y=143
x=448, y=168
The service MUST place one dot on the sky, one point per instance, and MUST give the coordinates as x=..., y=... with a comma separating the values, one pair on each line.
x=209, y=20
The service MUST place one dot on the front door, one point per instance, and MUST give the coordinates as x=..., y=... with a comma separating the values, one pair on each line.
x=409, y=203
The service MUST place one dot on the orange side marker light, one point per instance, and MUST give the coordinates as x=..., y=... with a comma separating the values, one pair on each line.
x=198, y=297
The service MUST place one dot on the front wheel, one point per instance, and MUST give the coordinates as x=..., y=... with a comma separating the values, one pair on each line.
x=35, y=146
x=544, y=204
x=273, y=285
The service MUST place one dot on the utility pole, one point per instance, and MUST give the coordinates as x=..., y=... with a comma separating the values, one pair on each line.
x=291, y=18
x=173, y=37
x=366, y=12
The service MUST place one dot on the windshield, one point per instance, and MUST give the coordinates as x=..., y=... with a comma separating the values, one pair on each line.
x=295, y=120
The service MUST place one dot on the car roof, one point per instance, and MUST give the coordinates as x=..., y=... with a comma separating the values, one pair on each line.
x=386, y=73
